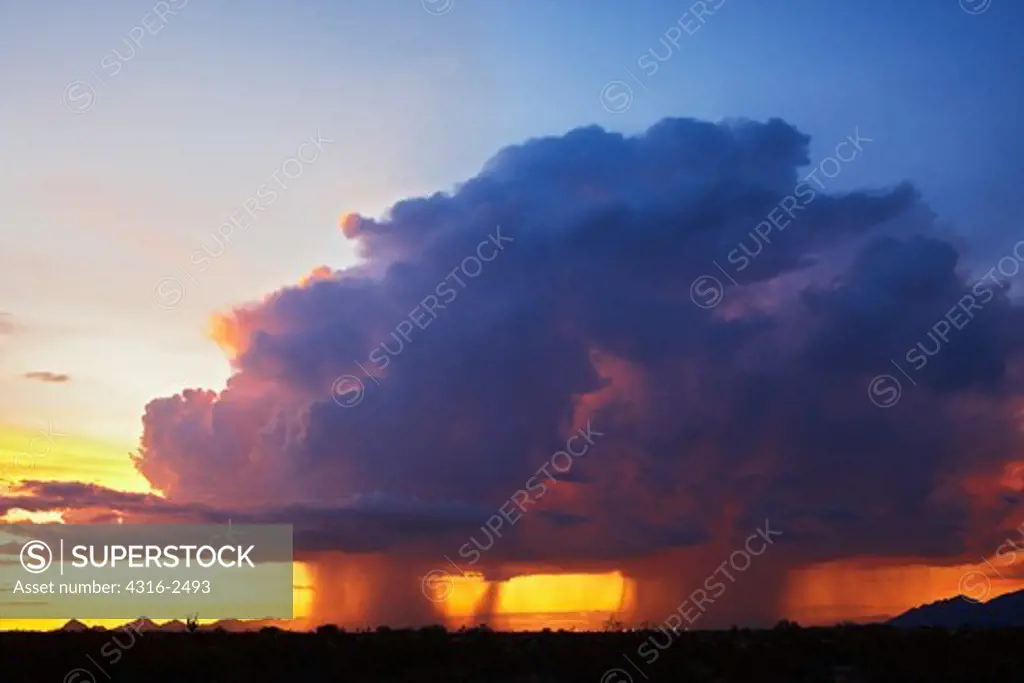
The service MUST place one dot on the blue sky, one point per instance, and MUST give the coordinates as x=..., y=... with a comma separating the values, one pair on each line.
x=98, y=206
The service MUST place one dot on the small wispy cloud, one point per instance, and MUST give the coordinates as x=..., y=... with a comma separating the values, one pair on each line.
x=45, y=376
x=7, y=325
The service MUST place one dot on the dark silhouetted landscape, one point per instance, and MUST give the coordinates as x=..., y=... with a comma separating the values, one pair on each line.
x=785, y=654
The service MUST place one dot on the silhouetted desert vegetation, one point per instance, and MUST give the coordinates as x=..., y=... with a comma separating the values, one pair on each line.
x=786, y=653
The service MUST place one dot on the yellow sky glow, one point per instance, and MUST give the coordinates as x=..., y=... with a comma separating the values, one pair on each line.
x=36, y=455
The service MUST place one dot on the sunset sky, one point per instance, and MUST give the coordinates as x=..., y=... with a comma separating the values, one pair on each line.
x=600, y=161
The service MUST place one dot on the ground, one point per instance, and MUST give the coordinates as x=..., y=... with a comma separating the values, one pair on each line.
x=785, y=654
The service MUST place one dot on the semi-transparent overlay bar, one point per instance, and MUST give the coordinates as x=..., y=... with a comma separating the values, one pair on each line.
x=159, y=571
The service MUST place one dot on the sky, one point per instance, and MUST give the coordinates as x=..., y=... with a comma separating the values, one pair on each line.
x=625, y=152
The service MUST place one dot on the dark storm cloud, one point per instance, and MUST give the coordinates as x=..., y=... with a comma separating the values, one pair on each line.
x=715, y=419
x=360, y=524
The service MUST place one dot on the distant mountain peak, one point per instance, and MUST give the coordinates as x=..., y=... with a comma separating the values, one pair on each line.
x=143, y=624
x=959, y=612
x=75, y=626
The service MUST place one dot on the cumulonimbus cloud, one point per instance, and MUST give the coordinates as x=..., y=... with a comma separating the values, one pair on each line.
x=714, y=418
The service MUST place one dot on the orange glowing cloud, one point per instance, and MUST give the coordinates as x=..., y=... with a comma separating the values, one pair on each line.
x=349, y=224
x=226, y=330
x=317, y=274
x=232, y=330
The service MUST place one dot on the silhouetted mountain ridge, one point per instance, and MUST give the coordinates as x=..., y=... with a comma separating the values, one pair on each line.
x=1006, y=611
x=144, y=625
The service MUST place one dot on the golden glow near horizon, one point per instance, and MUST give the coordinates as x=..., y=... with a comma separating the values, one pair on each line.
x=48, y=455
x=539, y=594
x=851, y=590
x=302, y=590
x=467, y=595
x=552, y=593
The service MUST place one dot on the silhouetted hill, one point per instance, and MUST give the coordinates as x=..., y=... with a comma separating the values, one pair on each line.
x=147, y=625
x=143, y=624
x=174, y=627
x=785, y=654
x=74, y=626
x=1006, y=611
